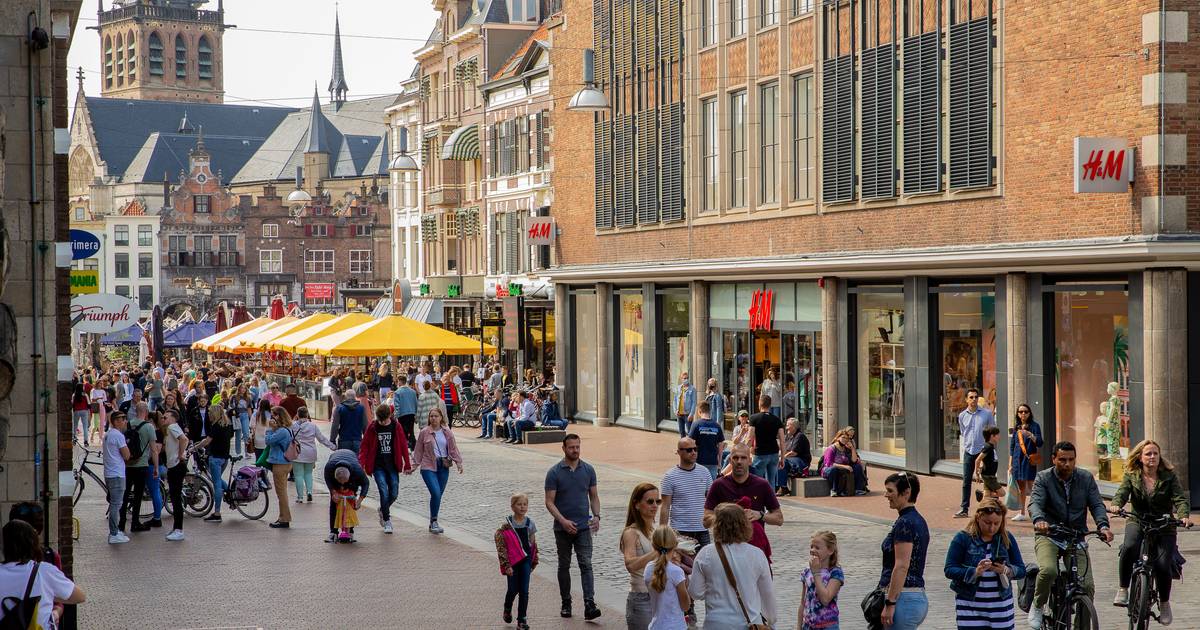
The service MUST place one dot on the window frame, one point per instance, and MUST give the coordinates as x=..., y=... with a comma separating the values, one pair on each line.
x=270, y=230
x=118, y=239
x=738, y=146
x=803, y=138
x=768, y=121
x=737, y=18
x=145, y=263
x=710, y=20
x=270, y=261
x=202, y=204
x=146, y=231
x=363, y=264
x=121, y=265
x=327, y=264
x=710, y=154
x=768, y=13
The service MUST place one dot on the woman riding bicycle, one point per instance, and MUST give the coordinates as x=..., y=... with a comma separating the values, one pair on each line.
x=1151, y=489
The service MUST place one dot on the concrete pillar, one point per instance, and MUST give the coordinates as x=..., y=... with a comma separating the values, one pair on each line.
x=701, y=368
x=604, y=355
x=831, y=339
x=1164, y=334
x=1016, y=332
x=564, y=318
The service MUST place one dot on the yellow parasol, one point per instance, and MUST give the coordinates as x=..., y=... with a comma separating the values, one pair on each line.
x=289, y=341
x=394, y=335
x=209, y=343
x=232, y=344
x=257, y=341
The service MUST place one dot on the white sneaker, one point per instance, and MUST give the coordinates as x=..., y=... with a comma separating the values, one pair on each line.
x=387, y=526
x=175, y=535
x=1122, y=598
x=1020, y=517
x=117, y=539
x=1164, y=613
x=1036, y=615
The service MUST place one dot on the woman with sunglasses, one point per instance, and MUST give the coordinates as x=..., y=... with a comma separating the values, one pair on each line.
x=981, y=564
x=1024, y=446
x=638, y=552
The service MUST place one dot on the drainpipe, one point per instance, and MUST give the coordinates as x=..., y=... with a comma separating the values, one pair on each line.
x=37, y=41
x=1162, y=113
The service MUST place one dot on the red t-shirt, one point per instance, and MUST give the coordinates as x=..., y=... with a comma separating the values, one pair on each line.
x=755, y=494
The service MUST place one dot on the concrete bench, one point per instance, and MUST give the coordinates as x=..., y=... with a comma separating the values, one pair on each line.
x=543, y=436
x=809, y=487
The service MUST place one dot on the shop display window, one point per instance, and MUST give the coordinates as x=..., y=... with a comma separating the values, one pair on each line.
x=632, y=353
x=676, y=316
x=585, y=352
x=966, y=343
x=881, y=410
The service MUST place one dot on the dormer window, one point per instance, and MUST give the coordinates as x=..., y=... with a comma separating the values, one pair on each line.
x=523, y=11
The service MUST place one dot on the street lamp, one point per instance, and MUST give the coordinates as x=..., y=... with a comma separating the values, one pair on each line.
x=590, y=98
x=403, y=162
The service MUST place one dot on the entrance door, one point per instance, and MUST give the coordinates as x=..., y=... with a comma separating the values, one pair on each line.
x=735, y=376
x=801, y=383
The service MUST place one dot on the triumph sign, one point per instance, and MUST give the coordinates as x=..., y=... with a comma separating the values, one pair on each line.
x=103, y=313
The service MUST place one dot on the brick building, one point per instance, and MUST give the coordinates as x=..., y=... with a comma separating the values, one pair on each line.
x=882, y=209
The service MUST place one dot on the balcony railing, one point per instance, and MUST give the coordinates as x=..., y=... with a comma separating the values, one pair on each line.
x=205, y=259
x=141, y=11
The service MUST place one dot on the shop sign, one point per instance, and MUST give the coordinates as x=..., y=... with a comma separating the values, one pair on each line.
x=453, y=290
x=351, y=303
x=318, y=291
x=424, y=289
x=1102, y=165
x=103, y=313
x=513, y=309
x=761, y=308
x=516, y=288
x=224, y=282
x=84, y=244
x=539, y=230
x=401, y=292
x=501, y=290
x=85, y=281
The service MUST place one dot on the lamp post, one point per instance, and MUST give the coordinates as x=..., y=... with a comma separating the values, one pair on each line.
x=589, y=98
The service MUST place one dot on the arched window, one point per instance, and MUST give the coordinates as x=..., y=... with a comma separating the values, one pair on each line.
x=204, y=61
x=180, y=57
x=131, y=56
x=108, y=61
x=156, y=55
x=119, y=55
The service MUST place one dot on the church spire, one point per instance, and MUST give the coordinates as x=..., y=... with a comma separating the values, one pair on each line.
x=316, y=127
x=337, y=82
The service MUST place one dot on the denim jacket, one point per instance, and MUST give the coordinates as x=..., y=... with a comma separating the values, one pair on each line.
x=964, y=555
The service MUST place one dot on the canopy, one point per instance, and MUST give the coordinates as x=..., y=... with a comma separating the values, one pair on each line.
x=289, y=341
x=209, y=343
x=463, y=144
x=234, y=344
x=394, y=335
x=184, y=335
x=257, y=340
x=131, y=336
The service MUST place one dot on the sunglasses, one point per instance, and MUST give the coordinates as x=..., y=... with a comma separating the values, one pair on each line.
x=991, y=510
x=654, y=501
x=688, y=450
x=1023, y=412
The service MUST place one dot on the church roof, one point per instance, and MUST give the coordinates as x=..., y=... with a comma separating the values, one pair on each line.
x=168, y=153
x=337, y=80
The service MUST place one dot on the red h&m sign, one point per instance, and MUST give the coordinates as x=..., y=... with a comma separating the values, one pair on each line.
x=761, y=307
x=539, y=231
x=1102, y=165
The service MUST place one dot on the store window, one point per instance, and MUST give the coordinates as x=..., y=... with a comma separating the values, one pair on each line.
x=676, y=314
x=1091, y=352
x=967, y=346
x=881, y=372
x=633, y=401
x=585, y=352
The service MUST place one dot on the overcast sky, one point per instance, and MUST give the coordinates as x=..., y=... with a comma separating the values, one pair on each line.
x=280, y=68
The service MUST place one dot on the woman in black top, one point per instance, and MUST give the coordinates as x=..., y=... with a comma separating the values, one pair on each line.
x=219, y=434
x=904, y=551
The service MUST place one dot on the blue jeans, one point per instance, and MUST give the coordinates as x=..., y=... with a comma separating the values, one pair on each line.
x=153, y=403
x=765, y=465
x=241, y=431
x=489, y=424
x=911, y=608
x=435, y=482
x=557, y=424
x=777, y=412
x=352, y=445
x=116, y=497
x=155, y=489
x=791, y=466
x=519, y=427
x=388, y=482
x=684, y=425
x=518, y=588
x=215, y=466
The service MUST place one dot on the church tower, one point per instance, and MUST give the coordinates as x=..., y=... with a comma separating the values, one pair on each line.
x=163, y=50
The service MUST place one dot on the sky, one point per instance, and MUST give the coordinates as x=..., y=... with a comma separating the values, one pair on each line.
x=378, y=39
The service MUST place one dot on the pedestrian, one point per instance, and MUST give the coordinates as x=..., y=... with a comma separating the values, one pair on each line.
x=668, y=583
x=551, y=417
x=384, y=381
x=291, y=401
x=449, y=392
x=1151, y=488
x=273, y=396
x=279, y=436
x=345, y=477
x=240, y=405
x=796, y=458
x=115, y=452
x=260, y=424
x=383, y=456
x=904, y=550
x=428, y=401
x=684, y=404
x=516, y=547
x=141, y=465
x=404, y=404
x=981, y=564
x=840, y=464
x=174, y=453
x=823, y=579
x=716, y=402
x=574, y=502
x=743, y=433
x=219, y=435
x=684, y=488
x=154, y=390
x=732, y=576
x=709, y=437
x=435, y=452
x=638, y=552
x=768, y=440
x=971, y=423
x=526, y=417
x=99, y=410
x=349, y=422
x=28, y=584
x=80, y=414
x=753, y=493
x=155, y=475
x=307, y=434
x=1024, y=455
x=986, y=466
x=772, y=390
x=170, y=403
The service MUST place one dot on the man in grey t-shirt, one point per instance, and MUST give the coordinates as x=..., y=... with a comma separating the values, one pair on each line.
x=574, y=502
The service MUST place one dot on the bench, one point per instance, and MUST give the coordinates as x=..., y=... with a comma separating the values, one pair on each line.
x=809, y=487
x=543, y=436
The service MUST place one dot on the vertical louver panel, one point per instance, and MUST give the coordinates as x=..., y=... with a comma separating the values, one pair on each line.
x=540, y=140
x=644, y=24
x=922, y=122
x=670, y=16
x=604, y=175
x=970, y=104
x=879, y=122
x=647, y=166
x=837, y=133
x=493, y=151
x=602, y=39
x=622, y=36
x=671, y=144
x=512, y=242
x=624, y=193
x=493, y=241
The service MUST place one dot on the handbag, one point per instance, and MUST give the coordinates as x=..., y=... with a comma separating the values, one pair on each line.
x=750, y=625
x=1012, y=499
x=872, y=607
x=1036, y=457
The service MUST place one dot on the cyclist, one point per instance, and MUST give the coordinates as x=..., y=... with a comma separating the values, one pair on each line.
x=1152, y=489
x=1063, y=496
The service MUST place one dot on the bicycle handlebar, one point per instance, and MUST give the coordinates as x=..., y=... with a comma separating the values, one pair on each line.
x=1075, y=535
x=1152, y=522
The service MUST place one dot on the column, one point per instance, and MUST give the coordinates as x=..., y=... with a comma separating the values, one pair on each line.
x=564, y=318
x=1016, y=333
x=604, y=350
x=831, y=341
x=654, y=389
x=1164, y=334
x=701, y=368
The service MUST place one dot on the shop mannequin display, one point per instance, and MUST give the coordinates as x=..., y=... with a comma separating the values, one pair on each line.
x=1113, y=436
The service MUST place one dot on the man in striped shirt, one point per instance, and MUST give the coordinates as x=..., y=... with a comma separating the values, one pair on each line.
x=683, y=490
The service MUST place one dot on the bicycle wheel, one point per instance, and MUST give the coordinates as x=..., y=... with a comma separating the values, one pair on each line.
x=197, y=495
x=1139, y=601
x=1084, y=613
x=257, y=508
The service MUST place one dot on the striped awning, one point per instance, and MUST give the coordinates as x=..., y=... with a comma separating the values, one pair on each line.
x=463, y=144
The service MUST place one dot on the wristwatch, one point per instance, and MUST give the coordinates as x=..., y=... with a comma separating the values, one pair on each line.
x=888, y=602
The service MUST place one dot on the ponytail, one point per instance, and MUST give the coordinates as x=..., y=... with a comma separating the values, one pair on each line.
x=659, y=581
x=664, y=542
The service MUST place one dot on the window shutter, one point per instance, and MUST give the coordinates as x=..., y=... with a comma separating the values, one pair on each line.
x=332, y=231
x=647, y=166
x=671, y=125
x=512, y=242
x=922, y=121
x=540, y=140
x=879, y=122
x=493, y=241
x=602, y=40
x=522, y=143
x=491, y=152
x=603, y=168
x=971, y=104
x=308, y=230
x=837, y=132
x=624, y=195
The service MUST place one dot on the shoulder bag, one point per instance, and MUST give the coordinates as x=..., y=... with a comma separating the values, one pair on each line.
x=872, y=607
x=750, y=625
x=1035, y=457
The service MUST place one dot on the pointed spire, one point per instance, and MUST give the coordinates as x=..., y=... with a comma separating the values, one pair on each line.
x=337, y=82
x=79, y=78
x=316, y=127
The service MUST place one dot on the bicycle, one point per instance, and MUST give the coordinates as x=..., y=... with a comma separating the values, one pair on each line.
x=469, y=411
x=252, y=509
x=1143, y=594
x=82, y=471
x=1070, y=607
x=197, y=491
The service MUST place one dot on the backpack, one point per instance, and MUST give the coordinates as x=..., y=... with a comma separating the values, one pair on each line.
x=133, y=440
x=21, y=614
x=293, y=448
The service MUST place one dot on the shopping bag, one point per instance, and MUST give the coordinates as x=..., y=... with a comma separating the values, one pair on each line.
x=1013, y=500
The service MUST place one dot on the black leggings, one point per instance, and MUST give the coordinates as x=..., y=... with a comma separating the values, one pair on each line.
x=175, y=489
x=1161, y=552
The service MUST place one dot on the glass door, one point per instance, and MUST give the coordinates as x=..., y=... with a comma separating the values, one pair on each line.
x=967, y=351
x=801, y=383
x=735, y=377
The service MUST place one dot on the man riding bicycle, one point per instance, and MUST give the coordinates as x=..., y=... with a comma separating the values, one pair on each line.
x=1063, y=496
x=1152, y=489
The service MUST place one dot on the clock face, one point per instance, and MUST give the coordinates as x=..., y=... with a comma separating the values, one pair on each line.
x=202, y=178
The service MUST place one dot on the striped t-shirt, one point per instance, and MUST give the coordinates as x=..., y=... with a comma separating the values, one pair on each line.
x=687, y=489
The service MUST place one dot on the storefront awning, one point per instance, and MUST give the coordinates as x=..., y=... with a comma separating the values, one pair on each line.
x=426, y=310
x=463, y=144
